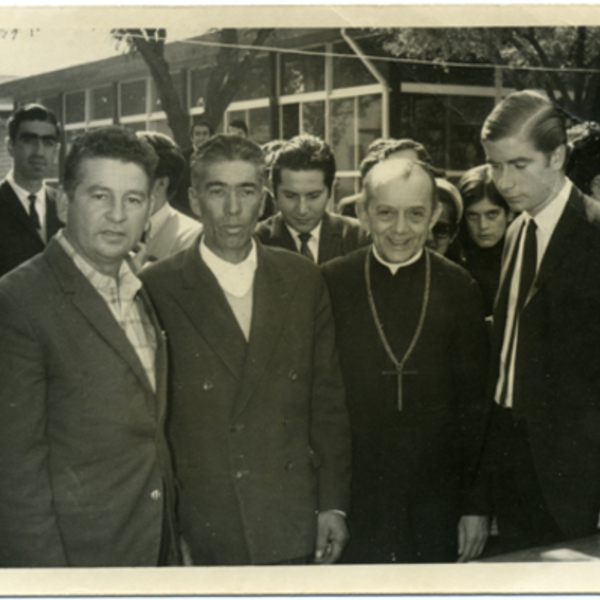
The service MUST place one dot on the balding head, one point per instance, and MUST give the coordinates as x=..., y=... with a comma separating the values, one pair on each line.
x=396, y=170
x=399, y=208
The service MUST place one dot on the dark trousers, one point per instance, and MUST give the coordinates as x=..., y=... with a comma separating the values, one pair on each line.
x=524, y=520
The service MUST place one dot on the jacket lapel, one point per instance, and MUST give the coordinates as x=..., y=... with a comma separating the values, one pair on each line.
x=204, y=302
x=559, y=245
x=328, y=239
x=18, y=211
x=281, y=234
x=91, y=305
x=273, y=297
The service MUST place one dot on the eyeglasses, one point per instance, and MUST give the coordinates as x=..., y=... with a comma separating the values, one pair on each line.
x=443, y=230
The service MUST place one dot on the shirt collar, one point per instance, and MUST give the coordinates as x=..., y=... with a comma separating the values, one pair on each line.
x=22, y=193
x=393, y=267
x=548, y=217
x=126, y=282
x=235, y=279
x=315, y=233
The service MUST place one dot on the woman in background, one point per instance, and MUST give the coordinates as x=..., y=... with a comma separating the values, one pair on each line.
x=486, y=217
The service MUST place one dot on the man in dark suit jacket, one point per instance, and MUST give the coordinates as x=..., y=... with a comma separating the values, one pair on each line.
x=258, y=422
x=85, y=475
x=544, y=449
x=28, y=216
x=302, y=179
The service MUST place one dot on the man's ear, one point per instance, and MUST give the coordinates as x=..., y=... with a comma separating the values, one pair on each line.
x=62, y=204
x=595, y=187
x=194, y=199
x=9, y=145
x=558, y=158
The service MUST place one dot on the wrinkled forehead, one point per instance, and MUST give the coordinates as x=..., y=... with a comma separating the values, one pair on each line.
x=233, y=172
x=401, y=176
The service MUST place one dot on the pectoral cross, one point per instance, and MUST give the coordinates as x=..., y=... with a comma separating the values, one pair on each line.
x=399, y=373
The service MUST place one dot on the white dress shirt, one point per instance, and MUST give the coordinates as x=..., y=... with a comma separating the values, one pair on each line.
x=313, y=242
x=546, y=221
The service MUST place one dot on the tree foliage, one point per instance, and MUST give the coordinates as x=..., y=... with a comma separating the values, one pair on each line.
x=549, y=48
x=231, y=66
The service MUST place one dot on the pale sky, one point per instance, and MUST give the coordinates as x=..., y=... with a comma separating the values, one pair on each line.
x=39, y=50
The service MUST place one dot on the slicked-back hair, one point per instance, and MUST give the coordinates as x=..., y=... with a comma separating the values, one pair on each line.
x=477, y=184
x=225, y=148
x=200, y=124
x=383, y=148
x=527, y=113
x=108, y=142
x=171, y=162
x=304, y=153
x=402, y=168
x=31, y=112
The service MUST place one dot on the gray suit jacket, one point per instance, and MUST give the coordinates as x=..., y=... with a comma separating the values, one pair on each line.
x=85, y=475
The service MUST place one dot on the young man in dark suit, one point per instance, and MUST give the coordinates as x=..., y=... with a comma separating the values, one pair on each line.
x=302, y=178
x=28, y=216
x=258, y=421
x=85, y=475
x=544, y=450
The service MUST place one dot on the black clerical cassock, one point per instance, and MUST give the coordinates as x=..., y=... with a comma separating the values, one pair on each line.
x=413, y=462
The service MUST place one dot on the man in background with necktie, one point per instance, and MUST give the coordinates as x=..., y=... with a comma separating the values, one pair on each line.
x=544, y=443
x=302, y=179
x=28, y=217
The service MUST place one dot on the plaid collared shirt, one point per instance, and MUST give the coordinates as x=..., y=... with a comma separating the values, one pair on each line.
x=121, y=296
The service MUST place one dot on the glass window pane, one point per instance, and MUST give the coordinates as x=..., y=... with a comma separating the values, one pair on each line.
x=102, y=102
x=344, y=187
x=369, y=122
x=291, y=120
x=71, y=135
x=313, y=118
x=259, y=125
x=53, y=103
x=342, y=133
x=198, y=85
x=156, y=103
x=257, y=83
x=351, y=71
x=133, y=98
x=303, y=73
x=423, y=118
x=162, y=127
x=466, y=114
x=75, y=105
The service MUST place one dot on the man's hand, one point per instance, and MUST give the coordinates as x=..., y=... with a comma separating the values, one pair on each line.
x=332, y=536
x=473, y=532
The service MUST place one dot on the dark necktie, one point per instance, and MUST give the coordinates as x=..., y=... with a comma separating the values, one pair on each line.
x=33, y=215
x=304, y=249
x=527, y=276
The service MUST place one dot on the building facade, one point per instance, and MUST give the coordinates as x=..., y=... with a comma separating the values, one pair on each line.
x=328, y=82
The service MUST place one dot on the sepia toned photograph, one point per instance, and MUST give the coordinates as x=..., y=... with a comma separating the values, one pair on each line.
x=299, y=300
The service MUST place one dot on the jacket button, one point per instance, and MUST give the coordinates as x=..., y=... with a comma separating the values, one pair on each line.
x=293, y=375
x=207, y=386
x=240, y=474
x=156, y=495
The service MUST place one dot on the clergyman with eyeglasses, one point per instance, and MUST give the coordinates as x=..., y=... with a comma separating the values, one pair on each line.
x=28, y=215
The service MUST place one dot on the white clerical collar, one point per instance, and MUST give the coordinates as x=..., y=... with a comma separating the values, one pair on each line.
x=235, y=279
x=393, y=267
